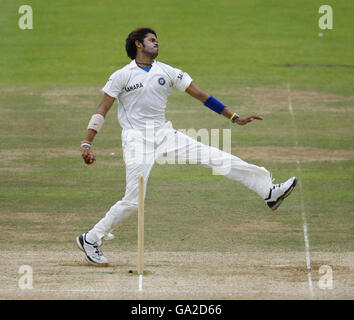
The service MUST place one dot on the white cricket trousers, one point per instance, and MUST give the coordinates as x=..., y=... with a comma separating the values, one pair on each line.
x=142, y=148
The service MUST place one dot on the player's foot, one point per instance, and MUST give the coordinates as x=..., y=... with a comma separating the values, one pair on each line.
x=109, y=236
x=278, y=192
x=92, y=251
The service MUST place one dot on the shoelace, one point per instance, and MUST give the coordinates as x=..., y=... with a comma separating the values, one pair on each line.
x=97, y=249
x=276, y=186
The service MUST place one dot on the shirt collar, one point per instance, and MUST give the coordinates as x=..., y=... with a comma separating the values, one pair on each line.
x=134, y=65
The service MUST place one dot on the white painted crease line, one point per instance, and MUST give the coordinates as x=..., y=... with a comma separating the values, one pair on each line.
x=63, y=290
x=303, y=211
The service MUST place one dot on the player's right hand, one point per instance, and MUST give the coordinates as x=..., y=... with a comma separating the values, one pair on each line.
x=87, y=155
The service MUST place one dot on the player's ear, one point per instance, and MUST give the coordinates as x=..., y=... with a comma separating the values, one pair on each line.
x=138, y=44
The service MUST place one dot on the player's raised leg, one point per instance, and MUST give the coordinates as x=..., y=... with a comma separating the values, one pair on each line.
x=255, y=178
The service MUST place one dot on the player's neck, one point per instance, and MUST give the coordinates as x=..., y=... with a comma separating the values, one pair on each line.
x=143, y=60
x=143, y=64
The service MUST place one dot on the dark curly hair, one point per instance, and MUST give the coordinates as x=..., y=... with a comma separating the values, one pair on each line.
x=137, y=34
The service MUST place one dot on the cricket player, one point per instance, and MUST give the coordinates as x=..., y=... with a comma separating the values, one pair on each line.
x=141, y=89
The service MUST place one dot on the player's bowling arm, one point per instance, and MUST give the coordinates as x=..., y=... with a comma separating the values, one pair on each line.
x=105, y=104
x=102, y=109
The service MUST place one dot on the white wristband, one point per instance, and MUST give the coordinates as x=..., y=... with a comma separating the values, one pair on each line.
x=96, y=122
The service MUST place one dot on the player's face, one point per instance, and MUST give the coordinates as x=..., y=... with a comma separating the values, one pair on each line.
x=151, y=46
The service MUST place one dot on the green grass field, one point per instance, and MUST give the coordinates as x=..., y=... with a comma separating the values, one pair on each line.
x=255, y=56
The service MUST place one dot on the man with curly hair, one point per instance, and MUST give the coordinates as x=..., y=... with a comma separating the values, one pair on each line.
x=142, y=88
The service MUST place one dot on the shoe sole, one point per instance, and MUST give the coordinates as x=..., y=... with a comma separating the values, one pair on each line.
x=275, y=205
x=81, y=247
x=79, y=244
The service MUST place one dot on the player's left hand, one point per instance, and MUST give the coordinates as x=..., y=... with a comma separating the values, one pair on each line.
x=244, y=120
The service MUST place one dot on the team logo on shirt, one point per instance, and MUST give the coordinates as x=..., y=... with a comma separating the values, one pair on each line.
x=134, y=87
x=162, y=81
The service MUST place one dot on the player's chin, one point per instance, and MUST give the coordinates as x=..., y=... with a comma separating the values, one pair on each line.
x=155, y=54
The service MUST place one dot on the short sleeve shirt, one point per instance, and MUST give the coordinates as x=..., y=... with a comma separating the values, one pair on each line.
x=142, y=96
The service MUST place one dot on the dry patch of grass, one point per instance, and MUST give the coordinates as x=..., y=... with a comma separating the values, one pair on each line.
x=75, y=96
x=61, y=274
x=16, y=154
x=19, y=160
x=292, y=154
x=277, y=95
x=261, y=225
x=270, y=153
x=270, y=100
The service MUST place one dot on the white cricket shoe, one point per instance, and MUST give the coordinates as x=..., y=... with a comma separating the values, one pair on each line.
x=92, y=251
x=278, y=192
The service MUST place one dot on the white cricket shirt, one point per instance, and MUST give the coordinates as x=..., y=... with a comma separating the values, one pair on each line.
x=142, y=96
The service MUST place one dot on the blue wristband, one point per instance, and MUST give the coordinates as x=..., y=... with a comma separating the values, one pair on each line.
x=214, y=104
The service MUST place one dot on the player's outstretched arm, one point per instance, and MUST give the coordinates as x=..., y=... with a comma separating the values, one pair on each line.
x=218, y=107
x=94, y=126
